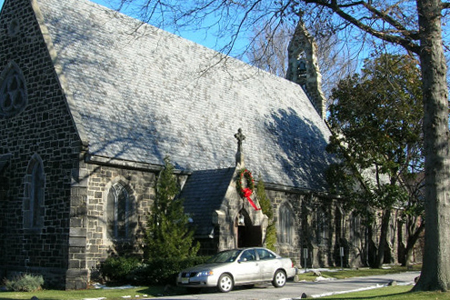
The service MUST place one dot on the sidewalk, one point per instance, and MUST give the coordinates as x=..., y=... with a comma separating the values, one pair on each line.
x=323, y=288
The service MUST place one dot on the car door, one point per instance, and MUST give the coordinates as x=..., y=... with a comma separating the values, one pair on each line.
x=268, y=263
x=247, y=269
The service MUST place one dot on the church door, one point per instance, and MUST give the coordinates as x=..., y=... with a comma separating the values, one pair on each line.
x=249, y=236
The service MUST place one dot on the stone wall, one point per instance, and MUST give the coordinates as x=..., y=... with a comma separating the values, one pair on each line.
x=279, y=198
x=72, y=238
x=43, y=129
x=141, y=188
x=322, y=227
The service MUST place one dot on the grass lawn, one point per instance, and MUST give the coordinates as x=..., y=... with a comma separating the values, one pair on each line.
x=349, y=273
x=109, y=294
x=386, y=293
x=392, y=293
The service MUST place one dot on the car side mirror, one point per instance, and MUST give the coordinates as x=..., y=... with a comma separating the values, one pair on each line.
x=242, y=260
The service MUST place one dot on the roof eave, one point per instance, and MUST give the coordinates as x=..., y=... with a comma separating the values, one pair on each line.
x=59, y=73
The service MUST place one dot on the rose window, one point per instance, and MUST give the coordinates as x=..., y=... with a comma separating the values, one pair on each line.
x=13, y=96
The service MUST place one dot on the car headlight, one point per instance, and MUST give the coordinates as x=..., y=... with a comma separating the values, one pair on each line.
x=205, y=273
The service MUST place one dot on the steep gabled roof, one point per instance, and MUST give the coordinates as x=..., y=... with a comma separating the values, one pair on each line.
x=204, y=193
x=139, y=93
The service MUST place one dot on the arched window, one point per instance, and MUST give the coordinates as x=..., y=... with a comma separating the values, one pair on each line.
x=286, y=225
x=120, y=212
x=321, y=226
x=34, y=194
x=13, y=92
x=355, y=227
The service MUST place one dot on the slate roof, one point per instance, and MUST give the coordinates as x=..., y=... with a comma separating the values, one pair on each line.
x=139, y=93
x=203, y=193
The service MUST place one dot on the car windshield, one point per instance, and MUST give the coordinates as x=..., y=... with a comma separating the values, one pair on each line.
x=225, y=256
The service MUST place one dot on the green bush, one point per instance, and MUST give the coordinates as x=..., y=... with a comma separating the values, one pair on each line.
x=117, y=269
x=156, y=271
x=165, y=270
x=168, y=231
x=25, y=283
x=267, y=209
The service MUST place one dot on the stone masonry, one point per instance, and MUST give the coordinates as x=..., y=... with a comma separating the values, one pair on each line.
x=47, y=130
x=80, y=131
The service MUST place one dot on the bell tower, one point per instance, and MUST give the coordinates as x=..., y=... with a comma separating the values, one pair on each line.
x=303, y=67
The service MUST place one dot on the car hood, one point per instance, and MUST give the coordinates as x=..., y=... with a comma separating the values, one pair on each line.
x=204, y=267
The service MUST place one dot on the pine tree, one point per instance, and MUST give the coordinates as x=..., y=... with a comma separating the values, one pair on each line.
x=169, y=233
x=266, y=207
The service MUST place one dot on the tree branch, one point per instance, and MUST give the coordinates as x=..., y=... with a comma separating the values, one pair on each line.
x=384, y=16
x=407, y=42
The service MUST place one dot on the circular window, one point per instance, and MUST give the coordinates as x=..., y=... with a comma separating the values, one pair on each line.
x=13, y=96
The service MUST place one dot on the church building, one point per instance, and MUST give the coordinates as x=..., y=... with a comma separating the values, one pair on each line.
x=92, y=101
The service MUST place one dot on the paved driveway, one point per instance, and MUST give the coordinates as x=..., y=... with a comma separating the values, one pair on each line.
x=295, y=290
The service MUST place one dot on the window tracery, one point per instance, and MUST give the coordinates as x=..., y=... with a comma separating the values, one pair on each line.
x=13, y=92
x=34, y=194
x=321, y=226
x=286, y=225
x=120, y=212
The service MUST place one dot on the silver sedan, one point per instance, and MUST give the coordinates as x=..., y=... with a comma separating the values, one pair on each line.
x=239, y=267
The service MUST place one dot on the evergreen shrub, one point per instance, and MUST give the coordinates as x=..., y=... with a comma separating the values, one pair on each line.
x=169, y=232
x=161, y=271
x=24, y=283
x=117, y=269
x=266, y=207
x=155, y=271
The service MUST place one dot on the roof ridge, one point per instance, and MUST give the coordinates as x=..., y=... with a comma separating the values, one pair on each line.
x=60, y=74
x=143, y=96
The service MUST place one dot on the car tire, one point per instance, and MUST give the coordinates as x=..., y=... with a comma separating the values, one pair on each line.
x=279, y=279
x=225, y=283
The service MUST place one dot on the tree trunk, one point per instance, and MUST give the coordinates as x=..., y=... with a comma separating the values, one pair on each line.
x=401, y=249
x=383, y=238
x=413, y=237
x=436, y=268
x=371, y=251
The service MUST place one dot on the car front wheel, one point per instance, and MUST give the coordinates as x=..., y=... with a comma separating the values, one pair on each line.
x=279, y=279
x=225, y=283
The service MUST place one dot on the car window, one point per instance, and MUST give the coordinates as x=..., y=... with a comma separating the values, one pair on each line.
x=248, y=255
x=225, y=256
x=264, y=254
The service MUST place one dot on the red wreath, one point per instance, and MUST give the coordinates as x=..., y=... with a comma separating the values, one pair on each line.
x=247, y=191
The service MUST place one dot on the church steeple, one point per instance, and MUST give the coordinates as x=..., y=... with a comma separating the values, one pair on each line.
x=239, y=154
x=303, y=67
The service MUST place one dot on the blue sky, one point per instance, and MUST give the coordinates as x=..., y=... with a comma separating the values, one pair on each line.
x=198, y=37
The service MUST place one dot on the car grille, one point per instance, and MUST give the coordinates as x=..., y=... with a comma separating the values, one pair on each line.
x=189, y=274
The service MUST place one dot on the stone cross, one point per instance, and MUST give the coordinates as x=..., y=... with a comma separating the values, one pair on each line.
x=239, y=155
x=240, y=137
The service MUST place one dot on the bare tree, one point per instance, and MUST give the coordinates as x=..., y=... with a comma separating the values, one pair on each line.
x=416, y=26
x=269, y=51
